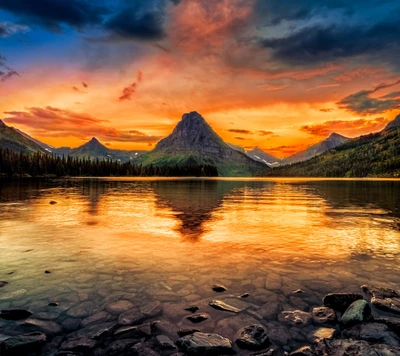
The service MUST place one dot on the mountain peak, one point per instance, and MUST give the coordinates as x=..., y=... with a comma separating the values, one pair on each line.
x=336, y=136
x=393, y=123
x=94, y=140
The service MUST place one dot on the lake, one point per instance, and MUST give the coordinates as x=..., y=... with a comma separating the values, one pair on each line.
x=111, y=245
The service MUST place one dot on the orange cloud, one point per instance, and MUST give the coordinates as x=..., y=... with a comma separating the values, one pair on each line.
x=346, y=127
x=60, y=123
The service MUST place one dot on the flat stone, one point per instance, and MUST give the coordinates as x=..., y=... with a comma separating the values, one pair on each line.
x=165, y=343
x=339, y=347
x=321, y=334
x=205, y=344
x=133, y=332
x=119, y=307
x=269, y=310
x=296, y=317
x=82, y=310
x=141, y=349
x=23, y=344
x=46, y=315
x=278, y=334
x=245, y=295
x=392, y=323
x=229, y=327
x=220, y=305
x=373, y=332
x=340, y=301
x=197, y=318
x=218, y=288
x=97, y=318
x=131, y=317
x=71, y=324
x=303, y=351
x=48, y=327
x=164, y=327
x=384, y=298
x=324, y=315
x=151, y=310
x=273, y=281
x=253, y=337
x=15, y=314
x=120, y=347
x=81, y=343
x=357, y=312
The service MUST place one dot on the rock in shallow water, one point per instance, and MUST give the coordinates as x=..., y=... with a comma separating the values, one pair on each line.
x=253, y=337
x=354, y=348
x=218, y=288
x=15, y=314
x=48, y=327
x=205, y=344
x=373, y=332
x=220, y=305
x=384, y=298
x=321, y=334
x=197, y=318
x=296, y=317
x=119, y=307
x=340, y=301
x=357, y=312
x=23, y=344
x=165, y=343
x=303, y=351
x=3, y=283
x=324, y=315
x=192, y=309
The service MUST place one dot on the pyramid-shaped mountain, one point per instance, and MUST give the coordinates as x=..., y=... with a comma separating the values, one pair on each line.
x=93, y=149
x=13, y=139
x=193, y=142
x=332, y=141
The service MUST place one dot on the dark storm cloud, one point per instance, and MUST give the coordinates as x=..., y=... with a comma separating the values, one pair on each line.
x=245, y=132
x=326, y=44
x=362, y=103
x=140, y=20
x=53, y=13
x=5, y=71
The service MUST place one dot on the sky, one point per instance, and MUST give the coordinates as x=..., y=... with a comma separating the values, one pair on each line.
x=277, y=74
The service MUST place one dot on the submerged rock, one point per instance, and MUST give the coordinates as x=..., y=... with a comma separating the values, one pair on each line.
x=340, y=301
x=3, y=284
x=119, y=307
x=142, y=349
x=48, y=327
x=133, y=332
x=321, y=334
x=197, y=318
x=15, y=314
x=357, y=312
x=218, y=288
x=253, y=337
x=220, y=305
x=384, y=298
x=131, y=317
x=120, y=347
x=296, y=317
x=205, y=344
x=351, y=347
x=165, y=343
x=23, y=344
x=184, y=332
x=373, y=332
x=192, y=309
x=324, y=315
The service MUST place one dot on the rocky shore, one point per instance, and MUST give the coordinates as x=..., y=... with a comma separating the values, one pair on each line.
x=365, y=323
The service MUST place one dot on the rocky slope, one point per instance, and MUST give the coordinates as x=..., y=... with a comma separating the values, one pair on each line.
x=332, y=141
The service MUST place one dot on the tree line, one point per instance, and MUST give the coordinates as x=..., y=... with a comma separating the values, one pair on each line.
x=18, y=164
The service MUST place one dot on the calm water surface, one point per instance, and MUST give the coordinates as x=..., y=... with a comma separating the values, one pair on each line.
x=170, y=240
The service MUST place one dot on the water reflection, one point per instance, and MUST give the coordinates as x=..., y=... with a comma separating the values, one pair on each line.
x=193, y=202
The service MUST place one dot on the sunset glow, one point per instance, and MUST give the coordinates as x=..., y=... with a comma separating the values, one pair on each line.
x=267, y=74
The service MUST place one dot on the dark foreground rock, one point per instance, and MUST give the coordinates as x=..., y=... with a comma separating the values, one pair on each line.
x=340, y=301
x=253, y=337
x=324, y=315
x=205, y=344
x=23, y=344
x=356, y=313
x=197, y=318
x=384, y=298
x=303, y=351
x=218, y=288
x=351, y=347
x=15, y=314
x=373, y=332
